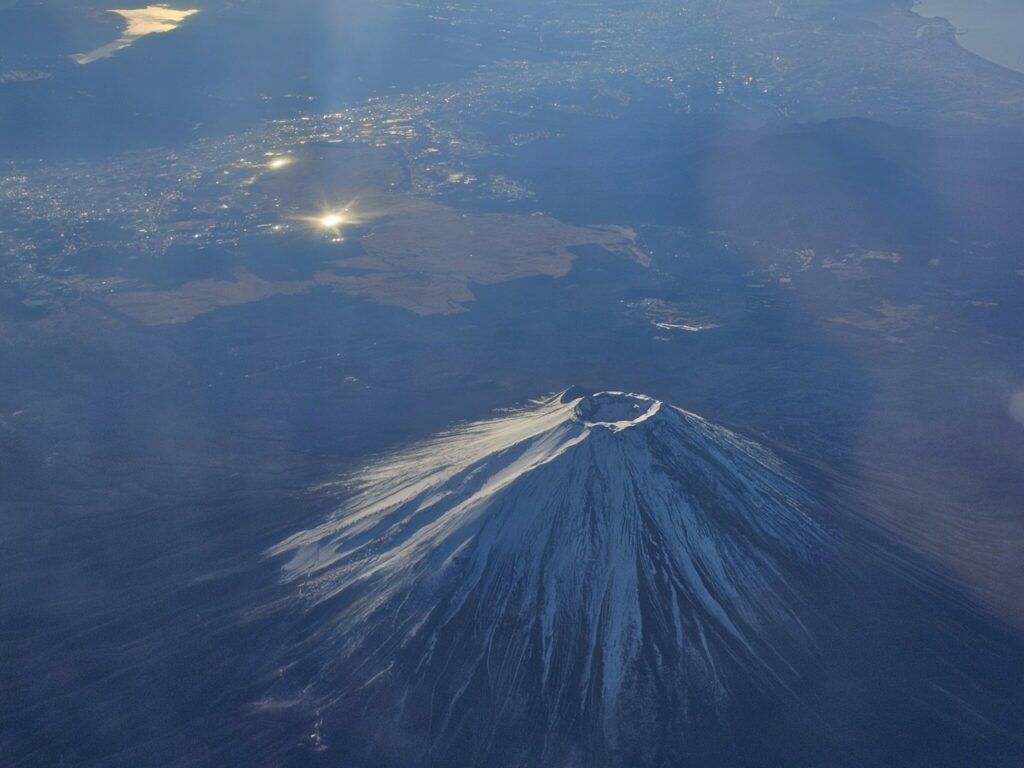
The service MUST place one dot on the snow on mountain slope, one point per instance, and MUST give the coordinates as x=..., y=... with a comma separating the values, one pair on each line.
x=586, y=562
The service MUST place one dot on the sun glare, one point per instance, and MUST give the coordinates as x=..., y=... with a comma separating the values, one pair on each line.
x=278, y=163
x=333, y=221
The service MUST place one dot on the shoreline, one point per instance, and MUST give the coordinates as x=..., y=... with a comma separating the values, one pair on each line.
x=984, y=40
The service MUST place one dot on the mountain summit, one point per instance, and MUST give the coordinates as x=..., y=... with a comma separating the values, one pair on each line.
x=588, y=575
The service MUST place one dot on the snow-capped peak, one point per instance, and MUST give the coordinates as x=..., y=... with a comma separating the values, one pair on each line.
x=588, y=554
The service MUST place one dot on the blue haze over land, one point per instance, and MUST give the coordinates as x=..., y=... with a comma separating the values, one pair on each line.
x=511, y=384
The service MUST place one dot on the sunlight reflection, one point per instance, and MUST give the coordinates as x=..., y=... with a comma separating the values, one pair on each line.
x=139, y=23
x=332, y=219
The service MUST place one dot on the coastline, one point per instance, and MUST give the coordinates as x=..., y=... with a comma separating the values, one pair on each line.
x=986, y=29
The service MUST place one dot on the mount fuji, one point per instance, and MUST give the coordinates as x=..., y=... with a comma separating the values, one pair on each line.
x=586, y=577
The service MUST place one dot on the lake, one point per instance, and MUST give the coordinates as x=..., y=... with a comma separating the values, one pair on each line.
x=139, y=22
